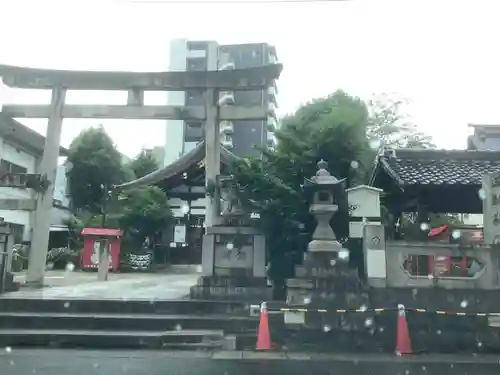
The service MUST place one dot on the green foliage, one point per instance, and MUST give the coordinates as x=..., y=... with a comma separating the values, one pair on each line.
x=144, y=164
x=95, y=166
x=390, y=126
x=143, y=212
x=338, y=129
x=333, y=129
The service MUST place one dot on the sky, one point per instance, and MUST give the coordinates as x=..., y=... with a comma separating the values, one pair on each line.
x=441, y=55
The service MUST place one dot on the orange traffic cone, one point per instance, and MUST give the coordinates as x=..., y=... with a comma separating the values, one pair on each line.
x=403, y=341
x=263, y=335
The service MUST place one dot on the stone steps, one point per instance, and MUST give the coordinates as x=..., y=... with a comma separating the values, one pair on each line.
x=123, y=324
x=130, y=322
x=188, y=339
x=123, y=306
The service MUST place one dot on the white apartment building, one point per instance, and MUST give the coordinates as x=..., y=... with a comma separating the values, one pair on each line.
x=238, y=136
x=21, y=150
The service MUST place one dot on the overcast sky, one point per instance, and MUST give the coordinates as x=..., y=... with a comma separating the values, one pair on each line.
x=442, y=55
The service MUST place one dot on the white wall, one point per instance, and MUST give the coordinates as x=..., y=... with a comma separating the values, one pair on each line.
x=17, y=155
x=20, y=156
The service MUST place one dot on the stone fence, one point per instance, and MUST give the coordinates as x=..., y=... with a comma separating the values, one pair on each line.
x=403, y=264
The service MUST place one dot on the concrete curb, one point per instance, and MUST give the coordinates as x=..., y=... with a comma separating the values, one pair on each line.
x=250, y=356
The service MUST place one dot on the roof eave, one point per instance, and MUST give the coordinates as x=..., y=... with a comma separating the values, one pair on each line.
x=194, y=156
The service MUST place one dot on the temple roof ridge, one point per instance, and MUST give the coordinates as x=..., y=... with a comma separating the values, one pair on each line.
x=194, y=156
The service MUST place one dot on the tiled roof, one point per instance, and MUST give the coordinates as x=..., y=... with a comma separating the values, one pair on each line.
x=23, y=135
x=438, y=167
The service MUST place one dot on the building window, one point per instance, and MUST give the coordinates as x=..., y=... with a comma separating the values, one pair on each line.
x=194, y=97
x=196, y=64
x=17, y=232
x=194, y=46
x=193, y=131
x=8, y=167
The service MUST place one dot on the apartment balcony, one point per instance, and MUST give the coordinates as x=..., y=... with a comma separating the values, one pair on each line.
x=273, y=59
x=226, y=98
x=226, y=141
x=272, y=90
x=272, y=124
x=271, y=139
x=225, y=62
x=271, y=109
x=226, y=127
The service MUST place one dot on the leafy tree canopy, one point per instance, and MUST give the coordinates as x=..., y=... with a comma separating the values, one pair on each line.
x=95, y=165
x=143, y=212
x=331, y=128
x=144, y=164
x=389, y=125
x=339, y=129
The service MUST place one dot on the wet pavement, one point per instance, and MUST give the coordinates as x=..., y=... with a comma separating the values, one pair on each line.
x=81, y=285
x=63, y=362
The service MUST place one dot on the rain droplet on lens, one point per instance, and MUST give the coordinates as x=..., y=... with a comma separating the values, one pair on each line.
x=70, y=267
x=375, y=144
x=481, y=194
x=424, y=226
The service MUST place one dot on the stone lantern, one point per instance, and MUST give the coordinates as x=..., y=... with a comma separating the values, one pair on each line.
x=324, y=190
x=324, y=279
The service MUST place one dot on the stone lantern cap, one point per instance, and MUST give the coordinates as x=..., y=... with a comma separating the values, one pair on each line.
x=323, y=178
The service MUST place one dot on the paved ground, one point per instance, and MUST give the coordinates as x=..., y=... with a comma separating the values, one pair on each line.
x=119, y=286
x=60, y=362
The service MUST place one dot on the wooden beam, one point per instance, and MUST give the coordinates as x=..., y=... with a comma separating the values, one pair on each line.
x=134, y=112
x=237, y=79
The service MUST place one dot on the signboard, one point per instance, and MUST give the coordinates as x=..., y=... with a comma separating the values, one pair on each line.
x=490, y=194
x=180, y=234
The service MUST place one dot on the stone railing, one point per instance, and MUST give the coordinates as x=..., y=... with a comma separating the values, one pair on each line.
x=424, y=264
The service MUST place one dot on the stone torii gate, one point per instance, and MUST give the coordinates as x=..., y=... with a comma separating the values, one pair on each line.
x=59, y=81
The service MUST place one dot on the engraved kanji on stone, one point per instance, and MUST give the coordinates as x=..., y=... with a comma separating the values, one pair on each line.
x=495, y=199
x=496, y=219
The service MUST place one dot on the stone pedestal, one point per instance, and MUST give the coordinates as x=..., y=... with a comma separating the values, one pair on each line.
x=324, y=281
x=233, y=265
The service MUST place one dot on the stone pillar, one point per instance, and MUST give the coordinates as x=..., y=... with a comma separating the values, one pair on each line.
x=212, y=171
x=212, y=155
x=374, y=254
x=48, y=168
x=490, y=194
x=364, y=202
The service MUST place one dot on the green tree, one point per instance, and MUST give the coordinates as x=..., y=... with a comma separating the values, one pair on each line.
x=389, y=124
x=331, y=128
x=95, y=167
x=143, y=213
x=144, y=164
